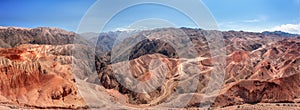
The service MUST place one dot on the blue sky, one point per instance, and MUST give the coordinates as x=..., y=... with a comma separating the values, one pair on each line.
x=256, y=15
x=247, y=15
x=39, y=13
x=161, y=13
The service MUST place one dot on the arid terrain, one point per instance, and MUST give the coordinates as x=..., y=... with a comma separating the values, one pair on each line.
x=49, y=68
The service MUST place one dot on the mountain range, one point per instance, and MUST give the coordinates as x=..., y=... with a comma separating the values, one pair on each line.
x=50, y=68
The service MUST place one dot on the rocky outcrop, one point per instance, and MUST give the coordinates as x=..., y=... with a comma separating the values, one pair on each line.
x=145, y=69
x=30, y=77
x=13, y=36
x=268, y=75
x=143, y=74
x=260, y=68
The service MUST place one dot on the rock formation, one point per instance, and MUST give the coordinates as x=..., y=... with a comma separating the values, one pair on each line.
x=260, y=68
x=33, y=76
x=49, y=68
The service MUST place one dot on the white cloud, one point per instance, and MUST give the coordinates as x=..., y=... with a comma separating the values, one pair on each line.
x=290, y=28
x=133, y=28
x=256, y=20
x=124, y=29
x=252, y=25
x=256, y=25
x=251, y=20
x=147, y=24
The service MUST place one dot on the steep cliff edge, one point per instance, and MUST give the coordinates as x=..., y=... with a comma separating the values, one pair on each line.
x=32, y=77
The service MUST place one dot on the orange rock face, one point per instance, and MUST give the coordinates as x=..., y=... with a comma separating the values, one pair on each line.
x=240, y=56
x=272, y=76
x=27, y=80
x=259, y=68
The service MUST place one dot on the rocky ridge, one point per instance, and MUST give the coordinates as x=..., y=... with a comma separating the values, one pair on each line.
x=40, y=68
x=33, y=76
x=260, y=68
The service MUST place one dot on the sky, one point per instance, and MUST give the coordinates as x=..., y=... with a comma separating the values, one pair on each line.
x=246, y=15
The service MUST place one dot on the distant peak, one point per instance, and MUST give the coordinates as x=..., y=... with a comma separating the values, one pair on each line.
x=280, y=33
x=37, y=28
x=12, y=27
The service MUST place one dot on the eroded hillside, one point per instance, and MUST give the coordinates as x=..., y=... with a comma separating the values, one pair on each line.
x=47, y=68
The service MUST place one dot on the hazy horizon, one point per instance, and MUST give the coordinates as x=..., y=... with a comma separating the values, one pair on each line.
x=247, y=15
x=138, y=30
